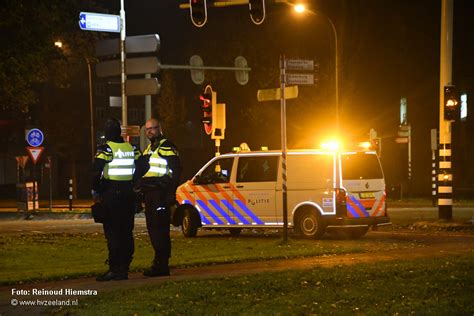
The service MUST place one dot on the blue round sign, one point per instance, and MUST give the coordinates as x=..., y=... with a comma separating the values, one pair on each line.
x=35, y=137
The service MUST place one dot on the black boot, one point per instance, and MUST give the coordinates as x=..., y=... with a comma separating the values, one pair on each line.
x=159, y=268
x=112, y=276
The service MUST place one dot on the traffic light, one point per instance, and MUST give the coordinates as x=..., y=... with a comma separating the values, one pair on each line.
x=257, y=11
x=376, y=144
x=209, y=103
x=198, y=12
x=451, y=104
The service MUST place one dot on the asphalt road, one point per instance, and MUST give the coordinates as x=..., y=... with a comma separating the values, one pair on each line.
x=75, y=223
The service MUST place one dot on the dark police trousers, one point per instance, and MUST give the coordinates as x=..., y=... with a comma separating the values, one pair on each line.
x=158, y=225
x=118, y=228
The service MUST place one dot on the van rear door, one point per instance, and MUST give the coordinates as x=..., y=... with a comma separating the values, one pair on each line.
x=363, y=180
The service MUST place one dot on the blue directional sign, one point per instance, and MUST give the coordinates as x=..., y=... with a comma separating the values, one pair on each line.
x=35, y=137
x=99, y=22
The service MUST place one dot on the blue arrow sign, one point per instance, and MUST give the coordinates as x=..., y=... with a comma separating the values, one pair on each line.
x=35, y=137
x=99, y=22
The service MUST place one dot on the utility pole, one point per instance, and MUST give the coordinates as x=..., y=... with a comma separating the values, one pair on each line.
x=445, y=177
x=122, y=64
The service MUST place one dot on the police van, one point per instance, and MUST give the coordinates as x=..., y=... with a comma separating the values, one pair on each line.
x=325, y=189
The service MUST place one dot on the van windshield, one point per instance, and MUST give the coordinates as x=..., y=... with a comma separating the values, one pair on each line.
x=357, y=166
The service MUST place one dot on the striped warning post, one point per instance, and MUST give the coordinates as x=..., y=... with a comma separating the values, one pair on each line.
x=445, y=182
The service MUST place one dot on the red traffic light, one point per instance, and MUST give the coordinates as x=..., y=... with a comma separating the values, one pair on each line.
x=198, y=12
x=209, y=99
x=257, y=11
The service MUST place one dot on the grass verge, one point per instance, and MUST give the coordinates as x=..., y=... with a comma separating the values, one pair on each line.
x=27, y=258
x=433, y=287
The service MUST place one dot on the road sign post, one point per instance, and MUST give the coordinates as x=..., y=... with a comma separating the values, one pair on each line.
x=34, y=138
x=283, y=146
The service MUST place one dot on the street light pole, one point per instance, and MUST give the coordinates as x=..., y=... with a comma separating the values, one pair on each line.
x=91, y=107
x=336, y=62
x=59, y=44
x=301, y=9
x=122, y=65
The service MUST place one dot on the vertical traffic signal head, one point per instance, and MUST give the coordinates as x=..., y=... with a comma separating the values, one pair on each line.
x=198, y=12
x=451, y=104
x=208, y=97
x=257, y=11
x=376, y=144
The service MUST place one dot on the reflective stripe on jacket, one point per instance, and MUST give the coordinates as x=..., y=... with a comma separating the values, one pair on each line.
x=121, y=161
x=158, y=164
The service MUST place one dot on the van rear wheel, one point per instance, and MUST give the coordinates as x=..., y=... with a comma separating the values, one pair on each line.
x=309, y=224
x=188, y=225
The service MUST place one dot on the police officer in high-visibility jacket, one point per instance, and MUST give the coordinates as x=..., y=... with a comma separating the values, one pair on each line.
x=116, y=165
x=159, y=187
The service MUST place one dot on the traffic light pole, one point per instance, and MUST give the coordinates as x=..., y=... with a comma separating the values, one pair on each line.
x=445, y=177
x=187, y=67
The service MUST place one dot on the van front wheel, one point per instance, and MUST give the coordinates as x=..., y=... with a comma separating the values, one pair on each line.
x=310, y=224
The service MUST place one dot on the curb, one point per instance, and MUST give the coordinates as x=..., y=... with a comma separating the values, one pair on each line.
x=12, y=215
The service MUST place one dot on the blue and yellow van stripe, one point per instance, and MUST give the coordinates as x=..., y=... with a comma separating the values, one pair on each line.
x=365, y=208
x=220, y=206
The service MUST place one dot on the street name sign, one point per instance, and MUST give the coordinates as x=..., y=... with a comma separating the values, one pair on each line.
x=300, y=64
x=142, y=86
x=275, y=94
x=115, y=102
x=133, y=44
x=99, y=22
x=34, y=137
x=142, y=44
x=401, y=140
x=133, y=66
x=130, y=130
x=299, y=79
x=403, y=133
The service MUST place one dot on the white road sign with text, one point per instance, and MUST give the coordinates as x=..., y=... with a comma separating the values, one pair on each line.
x=99, y=22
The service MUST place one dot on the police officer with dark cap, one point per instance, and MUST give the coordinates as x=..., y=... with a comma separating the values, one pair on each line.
x=159, y=186
x=117, y=164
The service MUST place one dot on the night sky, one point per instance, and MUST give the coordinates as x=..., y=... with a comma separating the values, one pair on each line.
x=387, y=50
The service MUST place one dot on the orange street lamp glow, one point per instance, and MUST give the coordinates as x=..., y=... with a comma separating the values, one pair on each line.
x=58, y=44
x=299, y=8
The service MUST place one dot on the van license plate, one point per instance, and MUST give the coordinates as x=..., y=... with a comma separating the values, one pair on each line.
x=367, y=195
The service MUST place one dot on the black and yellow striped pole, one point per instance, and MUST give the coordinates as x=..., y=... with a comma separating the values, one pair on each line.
x=283, y=147
x=434, y=173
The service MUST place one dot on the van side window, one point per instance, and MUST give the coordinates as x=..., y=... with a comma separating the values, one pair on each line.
x=217, y=172
x=257, y=169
